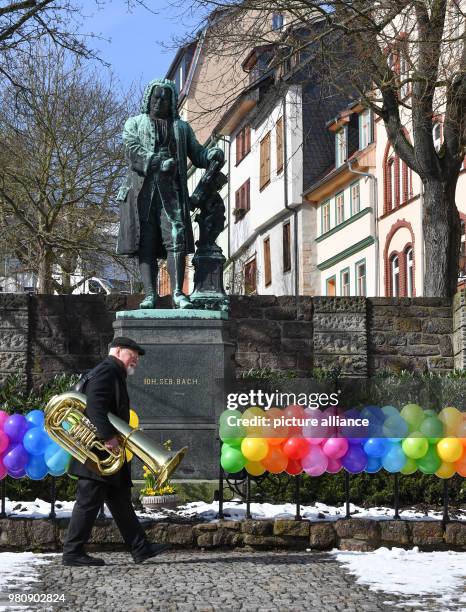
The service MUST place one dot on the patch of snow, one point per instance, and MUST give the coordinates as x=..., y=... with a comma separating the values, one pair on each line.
x=17, y=572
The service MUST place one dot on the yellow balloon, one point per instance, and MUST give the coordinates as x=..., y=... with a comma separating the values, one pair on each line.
x=249, y=414
x=446, y=470
x=129, y=455
x=133, y=419
x=254, y=449
x=452, y=419
x=254, y=468
x=449, y=449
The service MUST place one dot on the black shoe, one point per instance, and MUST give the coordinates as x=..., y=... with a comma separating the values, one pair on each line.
x=151, y=550
x=81, y=560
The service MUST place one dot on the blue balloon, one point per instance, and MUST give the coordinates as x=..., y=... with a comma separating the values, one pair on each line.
x=395, y=428
x=36, y=468
x=355, y=459
x=394, y=459
x=374, y=464
x=56, y=473
x=35, y=418
x=35, y=441
x=56, y=458
x=376, y=447
x=389, y=411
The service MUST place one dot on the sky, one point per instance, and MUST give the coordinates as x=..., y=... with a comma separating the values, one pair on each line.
x=135, y=42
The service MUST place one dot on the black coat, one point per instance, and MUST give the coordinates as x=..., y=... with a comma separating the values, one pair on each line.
x=106, y=392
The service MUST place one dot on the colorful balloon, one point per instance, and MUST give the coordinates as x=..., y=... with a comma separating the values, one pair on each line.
x=431, y=462
x=409, y=467
x=35, y=418
x=254, y=468
x=395, y=459
x=4, y=442
x=413, y=414
x=376, y=447
x=296, y=448
x=335, y=448
x=294, y=467
x=334, y=466
x=452, y=419
x=15, y=458
x=15, y=427
x=36, y=440
x=232, y=459
x=275, y=461
x=315, y=462
x=415, y=445
x=254, y=449
x=374, y=464
x=450, y=449
x=36, y=468
x=446, y=470
x=432, y=428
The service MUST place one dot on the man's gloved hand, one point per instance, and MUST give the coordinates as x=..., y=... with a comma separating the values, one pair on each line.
x=215, y=154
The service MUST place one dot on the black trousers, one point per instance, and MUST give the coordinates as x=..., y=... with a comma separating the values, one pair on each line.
x=89, y=497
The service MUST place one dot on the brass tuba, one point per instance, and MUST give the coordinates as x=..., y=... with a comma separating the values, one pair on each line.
x=67, y=426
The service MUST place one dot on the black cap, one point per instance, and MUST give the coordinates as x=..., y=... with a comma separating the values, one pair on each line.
x=122, y=342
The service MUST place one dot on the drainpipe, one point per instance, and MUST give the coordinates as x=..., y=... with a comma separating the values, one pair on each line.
x=421, y=212
x=375, y=223
x=227, y=141
x=288, y=207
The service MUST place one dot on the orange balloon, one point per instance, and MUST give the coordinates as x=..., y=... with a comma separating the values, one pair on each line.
x=275, y=441
x=461, y=433
x=460, y=465
x=446, y=470
x=276, y=430
x=275, y=461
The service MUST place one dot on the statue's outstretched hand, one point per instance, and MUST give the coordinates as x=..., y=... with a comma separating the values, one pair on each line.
x=215, y=154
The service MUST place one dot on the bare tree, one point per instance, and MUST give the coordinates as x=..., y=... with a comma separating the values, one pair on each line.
x=408, y=64
x=61, y=163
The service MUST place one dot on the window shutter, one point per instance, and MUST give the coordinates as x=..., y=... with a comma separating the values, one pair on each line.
x=248, y=195
x=248, y=139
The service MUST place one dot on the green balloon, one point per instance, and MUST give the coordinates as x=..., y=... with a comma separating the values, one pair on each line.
x=235, y=442
x=409, y=467
x=413, y=414
x=232, y=459
x=230, y=425
x=431, y=462
x=415, y=445
x=432, y=428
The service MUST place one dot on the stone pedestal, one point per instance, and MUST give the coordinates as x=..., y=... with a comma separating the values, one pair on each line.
x=178, y=390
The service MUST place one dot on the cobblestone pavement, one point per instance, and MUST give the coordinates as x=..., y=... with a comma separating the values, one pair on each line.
x=215, y=581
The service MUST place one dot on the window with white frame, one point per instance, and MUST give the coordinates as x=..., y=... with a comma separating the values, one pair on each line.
x=341, y=147
x=395, y=273
x=409, y=272
x=345, y=283
x=437, y=136
x=339, y=208
x=361, y=278
x=366, y=129
x=355, y=198
x=325, y=217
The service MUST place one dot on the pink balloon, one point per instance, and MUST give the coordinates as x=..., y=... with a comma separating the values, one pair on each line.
x=334, y=466
x=3, y=417
x=315, y=462
x=4, y=441
x=315, y=434
x=335, y=448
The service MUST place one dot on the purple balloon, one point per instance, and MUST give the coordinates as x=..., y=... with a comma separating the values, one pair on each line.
x=18, y=474
x=15, y=459
x=355, y=459
x=315, y=462
x=15, y=427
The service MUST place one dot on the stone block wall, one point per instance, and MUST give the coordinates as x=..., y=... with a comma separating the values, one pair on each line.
x=41, y=336
x=279, y=534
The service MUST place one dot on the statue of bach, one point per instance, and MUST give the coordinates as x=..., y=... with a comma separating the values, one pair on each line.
x=155, y=218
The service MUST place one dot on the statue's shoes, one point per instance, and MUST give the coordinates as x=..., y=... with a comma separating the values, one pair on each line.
x=180, y=300
x=149, y=301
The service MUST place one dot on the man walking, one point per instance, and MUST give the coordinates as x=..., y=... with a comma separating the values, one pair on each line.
x=106, y=392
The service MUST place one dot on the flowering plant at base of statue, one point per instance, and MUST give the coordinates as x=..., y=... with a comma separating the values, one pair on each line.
x=149, y=489
x=26, y=449
x=298, y=439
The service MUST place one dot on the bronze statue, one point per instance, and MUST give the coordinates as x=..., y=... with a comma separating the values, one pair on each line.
x=154, y=203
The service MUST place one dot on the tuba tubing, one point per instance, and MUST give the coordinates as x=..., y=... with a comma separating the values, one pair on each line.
x=67, y=425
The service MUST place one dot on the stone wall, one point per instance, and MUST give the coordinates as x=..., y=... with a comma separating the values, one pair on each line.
x=346, y=534
x=44, y=335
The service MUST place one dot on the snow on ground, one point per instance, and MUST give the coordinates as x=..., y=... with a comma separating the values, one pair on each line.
x=17, y=572
x=416, y=575
x=236, y=510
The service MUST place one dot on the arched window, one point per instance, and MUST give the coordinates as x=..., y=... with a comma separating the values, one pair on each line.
x=391, y=184
x=395, y=275
x=409, y=257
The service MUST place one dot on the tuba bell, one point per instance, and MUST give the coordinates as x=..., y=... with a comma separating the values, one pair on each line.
x=67, y=425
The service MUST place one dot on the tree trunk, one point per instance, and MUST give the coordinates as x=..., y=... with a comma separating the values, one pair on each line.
x=442, y=237
x=45, y=272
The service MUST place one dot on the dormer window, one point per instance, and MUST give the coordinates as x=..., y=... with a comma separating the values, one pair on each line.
x=341, y=146
x=366, y=128
x=277, y=21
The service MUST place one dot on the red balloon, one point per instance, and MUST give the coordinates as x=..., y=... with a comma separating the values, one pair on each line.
x=294, y=467
x=296, y=412
x=296, y=448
